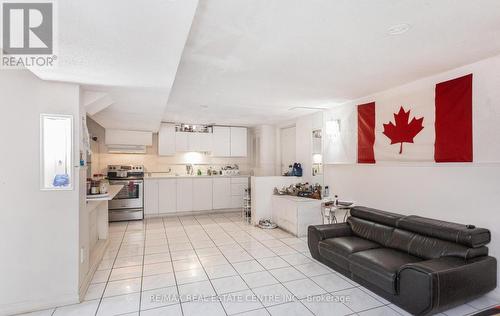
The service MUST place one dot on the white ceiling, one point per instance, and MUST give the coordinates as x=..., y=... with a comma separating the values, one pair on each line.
x=128, y=48
x=250, y=61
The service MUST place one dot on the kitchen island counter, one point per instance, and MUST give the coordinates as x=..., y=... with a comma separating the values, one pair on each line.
x=94, y=235
x=112, y=192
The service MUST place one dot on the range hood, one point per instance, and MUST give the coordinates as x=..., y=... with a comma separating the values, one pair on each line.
x=126, y=149
x=127, y=142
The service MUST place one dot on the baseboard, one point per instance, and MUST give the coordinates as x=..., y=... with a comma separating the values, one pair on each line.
x=193, y=213
x=95, y=258
x=37, y=305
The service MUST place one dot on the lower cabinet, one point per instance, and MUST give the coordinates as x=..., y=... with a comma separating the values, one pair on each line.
x=167, y=196
x=151, y=197
x=221, y=193
x=202, y=194
x=171, y=195
x=184, y=194
x=238, y=187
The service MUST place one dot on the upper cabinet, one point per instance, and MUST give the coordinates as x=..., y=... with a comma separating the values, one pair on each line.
x=221, y=141
x=181, y=141
x=225, y=141
x=238, y=142
x=200, y=142
x=166, y=140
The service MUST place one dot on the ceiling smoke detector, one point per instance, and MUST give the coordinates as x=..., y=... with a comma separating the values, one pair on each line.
x=399, y=29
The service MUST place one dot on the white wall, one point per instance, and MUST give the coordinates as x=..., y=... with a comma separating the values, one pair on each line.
x=38, y=229
x=288, y=147
x=461, y=192
x=304, y=127
x=265, y=160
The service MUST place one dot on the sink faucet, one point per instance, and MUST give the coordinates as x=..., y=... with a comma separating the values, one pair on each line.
x=189, y=169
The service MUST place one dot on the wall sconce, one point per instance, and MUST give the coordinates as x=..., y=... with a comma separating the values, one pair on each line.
x=317, y=158
x=333, y=129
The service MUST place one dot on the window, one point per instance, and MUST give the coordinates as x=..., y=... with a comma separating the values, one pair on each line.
x=56, y=152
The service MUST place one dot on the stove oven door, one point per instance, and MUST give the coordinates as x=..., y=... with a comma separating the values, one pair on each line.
x=129, y=197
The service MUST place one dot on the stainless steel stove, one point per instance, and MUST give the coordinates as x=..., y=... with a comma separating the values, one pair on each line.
x=128, y=204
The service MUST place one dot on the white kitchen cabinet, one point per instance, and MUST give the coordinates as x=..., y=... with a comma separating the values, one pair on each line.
x=236, y=201
x=205, y=142
x=182, y=141
x=151, y=197
x=186, y=141
x=221, y=139
x=166, y=140
x=167, y=196
x=202, y=194
x=201, y=142
x=221, y=193
x=238, y=142
x=184, y=194
x=238, y=187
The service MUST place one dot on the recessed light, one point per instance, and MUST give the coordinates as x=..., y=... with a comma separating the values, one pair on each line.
x=399, y=29
x=204, y=106
x=307, y=108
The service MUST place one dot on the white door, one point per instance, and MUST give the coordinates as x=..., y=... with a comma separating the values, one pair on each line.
x=221, y=141
x=166, y=140
x=221, y=193
x=181, y=141
x=193, y=141
x=167, y=195
x=202, y=194
x=288, y=147
x=184, y=194
x=237, y=201
x=238, y=142
x=150, y=197
x=205, y=142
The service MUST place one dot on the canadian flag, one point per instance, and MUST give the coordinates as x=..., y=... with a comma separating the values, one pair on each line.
x=432, y=126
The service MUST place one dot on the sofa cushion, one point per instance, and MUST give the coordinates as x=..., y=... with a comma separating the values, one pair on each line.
x=472, y=237
x=348, y=245
x=431, y=248
x=380, y=266
x=337, y=250
x=378, y=233
x=374, y=215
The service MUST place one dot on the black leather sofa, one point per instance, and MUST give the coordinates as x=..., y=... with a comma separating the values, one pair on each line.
x=420, y=264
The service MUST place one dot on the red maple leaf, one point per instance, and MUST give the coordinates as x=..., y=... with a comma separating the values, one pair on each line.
x=403, y=132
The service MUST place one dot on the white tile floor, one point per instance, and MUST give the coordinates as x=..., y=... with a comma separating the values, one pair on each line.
x=218, y=265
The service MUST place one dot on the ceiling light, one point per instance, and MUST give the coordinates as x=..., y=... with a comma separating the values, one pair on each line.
x=399, y=29
x=307, y=108
x=204, y=106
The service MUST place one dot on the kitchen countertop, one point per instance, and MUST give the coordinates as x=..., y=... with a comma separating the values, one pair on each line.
x=169, y=176
x=112, y=192
x=297, y=198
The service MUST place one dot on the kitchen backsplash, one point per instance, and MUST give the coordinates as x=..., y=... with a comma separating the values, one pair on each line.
x=155, y=163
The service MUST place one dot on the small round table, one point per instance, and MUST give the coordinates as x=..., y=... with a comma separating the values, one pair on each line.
x=329, y=211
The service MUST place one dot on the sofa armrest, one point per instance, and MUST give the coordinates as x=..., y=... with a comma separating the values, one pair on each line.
x=438, y=284
x=317, y=233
